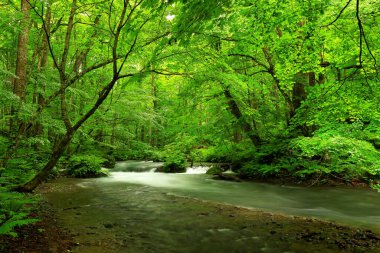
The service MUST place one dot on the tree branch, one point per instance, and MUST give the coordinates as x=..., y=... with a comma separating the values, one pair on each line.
x=340, y=14
x=253, y=59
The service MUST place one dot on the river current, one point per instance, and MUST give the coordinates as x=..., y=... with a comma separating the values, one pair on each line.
x=138, y=210
x=350, y=206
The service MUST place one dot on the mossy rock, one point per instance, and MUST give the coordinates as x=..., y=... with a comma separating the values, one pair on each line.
x=174, y=164
x=172, y=168
x=86, y=166
x=214, y=170
x=228, y=177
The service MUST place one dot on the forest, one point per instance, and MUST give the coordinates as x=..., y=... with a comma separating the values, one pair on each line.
x=277, y=91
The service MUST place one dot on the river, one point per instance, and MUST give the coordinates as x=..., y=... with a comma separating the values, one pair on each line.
x=155, y=212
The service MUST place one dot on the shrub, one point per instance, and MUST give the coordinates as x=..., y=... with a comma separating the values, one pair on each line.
x=175, y=164
x=137, y=151
x=255, y=170
x=13, y=212
x=85, y=166
x=347, y=157
x=228, y=152
x=4, y=144
x=109, y=162
x=322, y=157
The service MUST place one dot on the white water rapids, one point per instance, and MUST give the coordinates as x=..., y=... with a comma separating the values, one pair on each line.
x=349, y=206
x=136, y=210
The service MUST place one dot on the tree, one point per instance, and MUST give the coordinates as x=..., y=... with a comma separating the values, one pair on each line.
x=19, y=86
x=234, y=75
x=127, y=26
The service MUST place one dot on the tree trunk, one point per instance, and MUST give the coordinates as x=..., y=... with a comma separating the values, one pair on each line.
x=298, y=94
x=59, y=149
x=19, y=84
x=42, y=66
x=142, y=136
x=60, y=146
x=113, y=133
x=235, y=110
x=63, y=142
x=154, y=106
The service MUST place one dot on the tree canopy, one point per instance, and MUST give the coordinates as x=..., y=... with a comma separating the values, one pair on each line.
x=276, y=88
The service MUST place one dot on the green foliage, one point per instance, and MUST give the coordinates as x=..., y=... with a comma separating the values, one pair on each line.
x=4, y=144
x=14, y=210
x=175, y=163
x=376, y=187
x=348, y=157
x=85, y=166
x=342, y=158
x=137, y=151
x=229, y=152
x=255, y=170
x=289, y=75
x=20, y=169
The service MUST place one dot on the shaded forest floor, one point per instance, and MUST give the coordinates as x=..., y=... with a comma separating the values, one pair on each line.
x=45, y=236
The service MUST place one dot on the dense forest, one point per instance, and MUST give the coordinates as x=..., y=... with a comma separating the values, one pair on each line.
x=275, y=89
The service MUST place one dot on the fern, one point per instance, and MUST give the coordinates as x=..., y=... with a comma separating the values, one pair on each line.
x=14, y=211
x=16, y=220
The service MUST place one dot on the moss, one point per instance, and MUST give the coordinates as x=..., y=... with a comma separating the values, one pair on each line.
x=214, y=170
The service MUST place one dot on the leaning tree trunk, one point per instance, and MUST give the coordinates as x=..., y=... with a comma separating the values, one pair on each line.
x=58, y=150
x=63, y=142
x=60, y=146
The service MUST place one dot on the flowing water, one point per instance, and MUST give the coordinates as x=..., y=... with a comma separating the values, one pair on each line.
x=155, y=212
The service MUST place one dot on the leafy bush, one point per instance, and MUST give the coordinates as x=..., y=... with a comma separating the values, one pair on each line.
x=229, y=152
x=357, y=129
x=347, y=157
x=255, y=170
x=137, y=151
x=85, y=166
x=4, y=144
x=12, y=176
x=175, y=164
x=322, y=156
x=109, y=162
x=14, y=212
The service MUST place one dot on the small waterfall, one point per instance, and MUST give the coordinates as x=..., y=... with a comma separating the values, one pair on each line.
x=197, y=170
x=137, y=166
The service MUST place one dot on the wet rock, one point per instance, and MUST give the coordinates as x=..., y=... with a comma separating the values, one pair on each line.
x=108, y=225
x=228, y=177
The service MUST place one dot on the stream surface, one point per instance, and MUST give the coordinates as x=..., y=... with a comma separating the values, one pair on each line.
x=349, y=206
x=141, y=212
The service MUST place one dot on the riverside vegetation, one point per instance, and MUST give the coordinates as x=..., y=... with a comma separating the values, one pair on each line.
x=285, y=90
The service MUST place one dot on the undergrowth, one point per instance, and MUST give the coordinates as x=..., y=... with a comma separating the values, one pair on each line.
x=14, y=211
x=85, y=166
